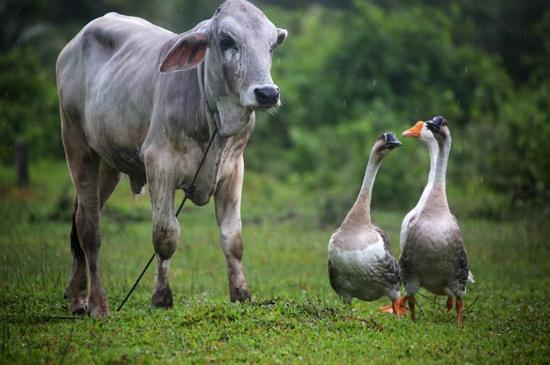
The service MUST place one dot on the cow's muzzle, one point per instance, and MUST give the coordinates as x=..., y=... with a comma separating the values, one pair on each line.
x=267, y=96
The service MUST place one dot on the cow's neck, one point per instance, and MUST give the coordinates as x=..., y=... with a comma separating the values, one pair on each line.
x=223, y=148
x=220, y=111
x=210, y=107
x=230, y=116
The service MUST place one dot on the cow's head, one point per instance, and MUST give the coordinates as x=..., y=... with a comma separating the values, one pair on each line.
x=236, y=45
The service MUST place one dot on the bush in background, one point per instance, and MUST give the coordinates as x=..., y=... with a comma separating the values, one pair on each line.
x=348, y=76
x=349, y=71
x=28, y=107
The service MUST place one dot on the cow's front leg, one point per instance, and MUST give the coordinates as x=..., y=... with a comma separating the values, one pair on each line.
x=228, y=214
x=166, y=230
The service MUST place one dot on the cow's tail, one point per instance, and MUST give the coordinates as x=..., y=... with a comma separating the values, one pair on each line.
x=78, y=254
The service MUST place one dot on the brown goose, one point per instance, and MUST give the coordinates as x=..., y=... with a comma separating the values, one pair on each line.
x=433, y=255
x=360, y=263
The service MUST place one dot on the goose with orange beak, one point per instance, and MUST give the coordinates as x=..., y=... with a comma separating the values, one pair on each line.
x=360, y=263
x=433, y=255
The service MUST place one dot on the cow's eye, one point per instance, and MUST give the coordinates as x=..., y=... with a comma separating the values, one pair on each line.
x=226, y=42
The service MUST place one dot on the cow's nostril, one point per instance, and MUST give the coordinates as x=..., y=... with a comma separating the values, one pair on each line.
x=267, y=95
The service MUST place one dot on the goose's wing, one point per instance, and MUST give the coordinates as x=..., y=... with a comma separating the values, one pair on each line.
x=390, y=264
x=335, y=279
x=407, y=256
x=385, y=238
x=463, y=273
x=332, y=275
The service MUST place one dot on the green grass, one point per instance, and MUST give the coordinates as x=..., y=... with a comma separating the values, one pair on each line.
x=294, y=315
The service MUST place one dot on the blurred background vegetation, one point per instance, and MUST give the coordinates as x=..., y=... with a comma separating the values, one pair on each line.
x=349, y=71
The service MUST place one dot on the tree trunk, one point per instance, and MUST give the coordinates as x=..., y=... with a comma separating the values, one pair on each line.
x=21, y=163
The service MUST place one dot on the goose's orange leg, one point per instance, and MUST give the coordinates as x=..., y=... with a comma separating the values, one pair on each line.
x=396, y=307
x=412, y=303
x=450, y=303
x=459, y=310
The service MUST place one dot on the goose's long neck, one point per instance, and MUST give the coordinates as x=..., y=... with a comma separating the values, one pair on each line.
x=433, y=149
x=437, y=194
x=441, y=167
x=360, y=212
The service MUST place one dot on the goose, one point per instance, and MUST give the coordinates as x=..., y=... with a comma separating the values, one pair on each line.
x=360, y=264
x=429, y=139
x=433, y=255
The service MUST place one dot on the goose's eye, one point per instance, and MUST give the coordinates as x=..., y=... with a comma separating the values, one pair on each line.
x=432, y=127
x=226, y=42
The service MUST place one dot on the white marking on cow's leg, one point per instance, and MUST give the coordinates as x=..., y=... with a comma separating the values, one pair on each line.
x=166, y=229
x=228, y=214
x=84, y=167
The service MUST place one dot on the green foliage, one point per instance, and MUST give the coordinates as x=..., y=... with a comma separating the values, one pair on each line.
x=521, y=158
x=386, y=68
x=28, y=106
x=348, y=72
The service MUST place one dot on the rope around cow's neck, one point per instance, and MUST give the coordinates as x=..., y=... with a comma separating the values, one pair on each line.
x=188, y=191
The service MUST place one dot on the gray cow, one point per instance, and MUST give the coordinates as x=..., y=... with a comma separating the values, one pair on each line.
x=138, y=99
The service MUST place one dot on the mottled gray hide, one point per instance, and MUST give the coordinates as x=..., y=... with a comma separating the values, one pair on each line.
x=138, y=99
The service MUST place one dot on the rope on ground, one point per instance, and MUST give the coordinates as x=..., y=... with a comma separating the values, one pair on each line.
x=471, y=304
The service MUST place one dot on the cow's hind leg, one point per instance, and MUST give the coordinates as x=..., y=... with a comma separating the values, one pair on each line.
x=77, y=289
x=84, y=166
x=228, y=214
x=166, y=229
x=108, y=180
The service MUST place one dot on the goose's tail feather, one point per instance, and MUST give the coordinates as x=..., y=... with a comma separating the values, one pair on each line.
x=471, y=277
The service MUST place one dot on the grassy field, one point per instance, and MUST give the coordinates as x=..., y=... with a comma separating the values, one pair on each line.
x=294, y=316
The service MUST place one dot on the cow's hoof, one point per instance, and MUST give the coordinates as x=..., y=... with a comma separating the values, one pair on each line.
x=79, y=310
x=240, y=295
x=99, y=312
x=98, y=307
x=162, y=298
x=78, y=306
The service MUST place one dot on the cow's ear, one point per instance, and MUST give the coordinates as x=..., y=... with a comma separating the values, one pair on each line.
x=186, y=54
x=281, y=35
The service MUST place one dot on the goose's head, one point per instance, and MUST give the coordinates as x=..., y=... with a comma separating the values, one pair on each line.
x=434, y=129
x=440, y=129
x=385, y=143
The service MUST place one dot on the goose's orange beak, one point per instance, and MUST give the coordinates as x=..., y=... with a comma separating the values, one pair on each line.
x=414, y=131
